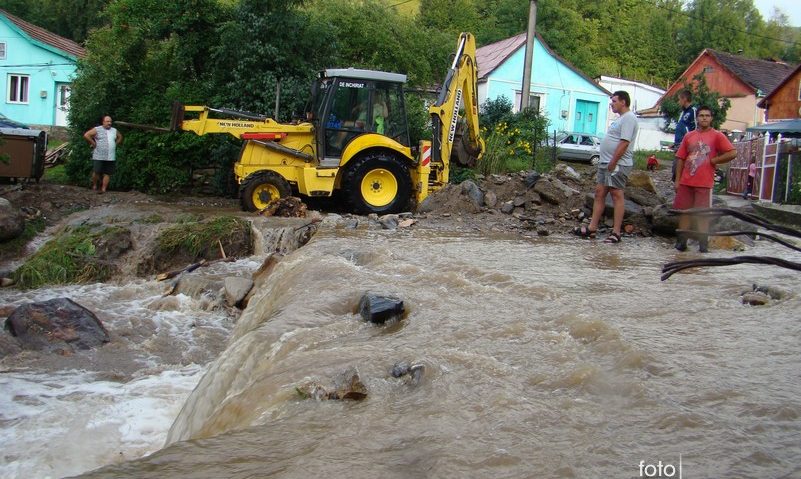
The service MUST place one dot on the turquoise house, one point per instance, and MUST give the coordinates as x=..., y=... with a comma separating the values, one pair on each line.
x=36, y=68
x=570, y=100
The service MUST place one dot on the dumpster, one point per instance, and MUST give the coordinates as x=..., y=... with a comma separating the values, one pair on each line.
x=22, y=153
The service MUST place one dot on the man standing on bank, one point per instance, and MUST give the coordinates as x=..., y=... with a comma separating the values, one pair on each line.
x=617, y=161
x=700, y=152
x=687, y=122
x=103, y=140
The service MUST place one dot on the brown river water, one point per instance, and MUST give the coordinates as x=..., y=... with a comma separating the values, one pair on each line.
x=544, y=358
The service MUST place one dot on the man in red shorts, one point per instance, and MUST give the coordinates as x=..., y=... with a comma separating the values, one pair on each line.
x=700, y=152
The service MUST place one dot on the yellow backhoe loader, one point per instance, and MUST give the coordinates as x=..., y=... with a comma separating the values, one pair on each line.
x=355, y=139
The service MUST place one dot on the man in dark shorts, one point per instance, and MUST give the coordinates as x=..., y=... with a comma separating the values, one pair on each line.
x=613, y=169
x=700, y=152
x=103, y=140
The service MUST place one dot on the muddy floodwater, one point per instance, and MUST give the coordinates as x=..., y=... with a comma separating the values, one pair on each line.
x=544, y=357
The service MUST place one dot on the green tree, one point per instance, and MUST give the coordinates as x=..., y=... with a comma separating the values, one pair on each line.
x=72, y=19
x=702, y=96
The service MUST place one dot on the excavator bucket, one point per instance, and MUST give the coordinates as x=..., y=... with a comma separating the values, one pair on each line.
x=177, y=116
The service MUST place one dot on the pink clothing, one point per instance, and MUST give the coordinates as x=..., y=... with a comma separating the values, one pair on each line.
x=696, y=149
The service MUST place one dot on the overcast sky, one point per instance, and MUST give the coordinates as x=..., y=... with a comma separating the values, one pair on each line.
x=791, y=8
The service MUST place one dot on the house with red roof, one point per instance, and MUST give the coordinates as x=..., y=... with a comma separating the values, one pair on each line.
x=784, y=101
x=36, y=69
x=744, y=81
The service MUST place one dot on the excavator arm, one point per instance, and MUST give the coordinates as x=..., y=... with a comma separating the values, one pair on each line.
x=459, y=91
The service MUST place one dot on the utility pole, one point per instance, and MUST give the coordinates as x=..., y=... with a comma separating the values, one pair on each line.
x=530, y=35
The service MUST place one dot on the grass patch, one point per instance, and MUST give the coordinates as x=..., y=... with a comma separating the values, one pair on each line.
x=195, y=238
x=66, y=259
x=57, y=175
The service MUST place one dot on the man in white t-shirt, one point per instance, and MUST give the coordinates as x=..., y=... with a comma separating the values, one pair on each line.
x=103, y=140
x=617, y=161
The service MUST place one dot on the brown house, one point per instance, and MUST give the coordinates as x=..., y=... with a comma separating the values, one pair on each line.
x=744, y=81
x=784, y=102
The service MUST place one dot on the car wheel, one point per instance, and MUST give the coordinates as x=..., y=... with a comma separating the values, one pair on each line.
x=595, y=160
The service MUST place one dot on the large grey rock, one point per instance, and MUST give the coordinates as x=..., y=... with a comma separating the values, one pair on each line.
x=662, y=222
x=564, y=172
x=549, y=191
x=631, y=208
x=57, y=325
x=473, y=192
x=12, y=221
x=380, y=309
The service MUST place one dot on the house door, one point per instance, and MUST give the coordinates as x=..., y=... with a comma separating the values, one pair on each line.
x=62, y=103
x=586, y=118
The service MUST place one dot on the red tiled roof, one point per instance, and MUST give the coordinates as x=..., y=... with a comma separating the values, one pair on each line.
x=38, y=33
x=761, y=75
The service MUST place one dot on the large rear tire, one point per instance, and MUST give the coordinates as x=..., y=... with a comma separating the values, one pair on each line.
x=377, y=183
x=260, y=188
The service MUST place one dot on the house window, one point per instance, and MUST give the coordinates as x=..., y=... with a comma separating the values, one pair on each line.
x=534, y=101
x=2, y=50
x=18, y=88
x=799, y=90
x=709, y=69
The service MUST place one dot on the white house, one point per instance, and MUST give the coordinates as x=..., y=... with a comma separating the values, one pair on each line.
x=643, y=98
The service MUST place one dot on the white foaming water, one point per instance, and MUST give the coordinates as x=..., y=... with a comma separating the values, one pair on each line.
x=61, y=416
x=65, y=423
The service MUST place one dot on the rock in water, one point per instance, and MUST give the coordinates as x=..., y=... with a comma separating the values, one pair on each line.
x=380, y=309
x=56, y=325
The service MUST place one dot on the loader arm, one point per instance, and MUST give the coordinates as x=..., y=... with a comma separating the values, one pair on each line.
x=240, y=125
x=460, y=89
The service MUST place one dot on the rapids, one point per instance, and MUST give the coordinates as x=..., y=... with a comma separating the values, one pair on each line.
x=544, y=357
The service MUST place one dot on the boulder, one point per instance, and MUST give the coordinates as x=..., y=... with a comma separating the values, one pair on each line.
x=12, y=221
x=563, y=171
x=388, y=222
x=549, y=191
x=631, y=208
x=379, y=309
x=641, y=179
x=235, y=288
x=56, y=325
x=531, y=179
x=490, y=199
x=756, y=298
x=662, y=222
x=347, y=385
x=473, y=192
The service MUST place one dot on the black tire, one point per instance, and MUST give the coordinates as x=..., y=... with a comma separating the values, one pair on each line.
x=262, y=187
x=377, y=183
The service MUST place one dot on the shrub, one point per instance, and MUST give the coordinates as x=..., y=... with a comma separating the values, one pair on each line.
x=67, y=258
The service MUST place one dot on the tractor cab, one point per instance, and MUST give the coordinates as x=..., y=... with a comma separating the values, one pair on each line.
x=348, y=103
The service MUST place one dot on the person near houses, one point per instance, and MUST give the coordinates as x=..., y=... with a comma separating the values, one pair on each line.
x=749, y=186
x=103, y=140
x=686, y=123
x=701, y=151
x=616, y=162
x=652, y=164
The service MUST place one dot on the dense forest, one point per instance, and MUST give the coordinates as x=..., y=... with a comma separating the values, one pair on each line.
x=233, y=53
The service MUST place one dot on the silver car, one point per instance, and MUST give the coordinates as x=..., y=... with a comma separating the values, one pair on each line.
x=578, y=146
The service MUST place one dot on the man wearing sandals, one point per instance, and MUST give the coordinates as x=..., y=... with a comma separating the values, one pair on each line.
x=617, y=160
x=700, y=152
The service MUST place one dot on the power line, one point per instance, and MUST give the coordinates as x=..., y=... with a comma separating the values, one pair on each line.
x=401, y=3
x=690, y=15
